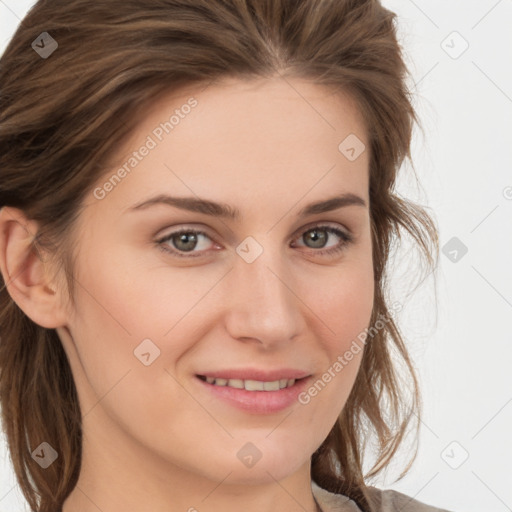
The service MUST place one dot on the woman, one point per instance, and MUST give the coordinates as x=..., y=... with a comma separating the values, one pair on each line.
x=197, y=211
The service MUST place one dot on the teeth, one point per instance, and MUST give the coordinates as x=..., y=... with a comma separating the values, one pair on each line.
x=271, y=386
x=252, y=385
x=236, y=383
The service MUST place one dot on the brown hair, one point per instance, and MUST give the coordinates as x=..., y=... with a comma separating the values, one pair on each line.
x=62, y=117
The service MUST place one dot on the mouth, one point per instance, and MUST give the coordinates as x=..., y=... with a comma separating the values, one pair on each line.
x=275, y=392
x=250, y=385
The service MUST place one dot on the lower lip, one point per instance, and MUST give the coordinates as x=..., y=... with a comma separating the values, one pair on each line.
x=257, y=402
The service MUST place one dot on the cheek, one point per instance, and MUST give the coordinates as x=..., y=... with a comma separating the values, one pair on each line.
x=120, y=304
x=118, y=311
x=343, y=301
x=343, y=306
x=137, y=300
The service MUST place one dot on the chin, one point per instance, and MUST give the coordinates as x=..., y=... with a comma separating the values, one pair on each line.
x=271, y=461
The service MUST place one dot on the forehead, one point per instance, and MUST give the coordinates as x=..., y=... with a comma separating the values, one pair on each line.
x=266, y=138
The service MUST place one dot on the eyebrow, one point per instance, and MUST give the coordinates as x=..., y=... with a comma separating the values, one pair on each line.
x=224, y=210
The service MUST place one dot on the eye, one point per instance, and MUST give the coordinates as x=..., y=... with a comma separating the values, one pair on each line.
x=186, y=240
x=318, y=236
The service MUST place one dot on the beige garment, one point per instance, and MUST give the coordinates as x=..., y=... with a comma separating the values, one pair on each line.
x=390, y=501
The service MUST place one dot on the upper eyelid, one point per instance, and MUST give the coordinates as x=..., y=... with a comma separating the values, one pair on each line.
x=329, y=224
x=190, y=226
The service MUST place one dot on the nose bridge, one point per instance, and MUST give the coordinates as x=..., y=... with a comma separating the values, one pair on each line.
x=263, y=304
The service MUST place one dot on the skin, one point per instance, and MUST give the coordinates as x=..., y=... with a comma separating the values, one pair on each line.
x=153, y=438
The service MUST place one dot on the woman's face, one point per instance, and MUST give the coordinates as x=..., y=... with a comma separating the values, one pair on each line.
x=262, y=296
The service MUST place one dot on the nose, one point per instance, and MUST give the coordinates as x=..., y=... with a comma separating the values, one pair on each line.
x=263, y=305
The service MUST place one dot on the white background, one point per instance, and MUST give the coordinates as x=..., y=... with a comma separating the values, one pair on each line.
x=460, y=338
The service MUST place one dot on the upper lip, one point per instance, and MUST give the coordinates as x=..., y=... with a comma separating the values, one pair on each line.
x=263, y=375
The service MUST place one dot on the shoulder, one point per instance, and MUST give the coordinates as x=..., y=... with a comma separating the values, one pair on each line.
x=385, y=500
x=390, y=500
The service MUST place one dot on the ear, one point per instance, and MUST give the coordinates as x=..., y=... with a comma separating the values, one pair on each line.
x=25, y=274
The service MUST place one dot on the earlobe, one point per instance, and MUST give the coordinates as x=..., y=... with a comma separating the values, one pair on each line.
x=24, y=273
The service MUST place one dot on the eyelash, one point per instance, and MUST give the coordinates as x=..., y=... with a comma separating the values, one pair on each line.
x=346, y=240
